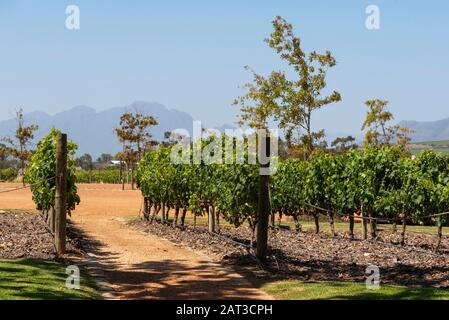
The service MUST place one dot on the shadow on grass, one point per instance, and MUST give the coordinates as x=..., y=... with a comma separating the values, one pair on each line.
x=25, y=279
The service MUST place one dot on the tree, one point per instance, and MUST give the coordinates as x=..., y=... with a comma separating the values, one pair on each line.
x=403, y=138
x=20, y=142
x=303, y=96
x=105, y=158
x=258, y=106
x=378, y=132
x=377, y=117
x=85, y=162
x=4, y=152
x=344, y=144
x=133, y=134
x=172, y=138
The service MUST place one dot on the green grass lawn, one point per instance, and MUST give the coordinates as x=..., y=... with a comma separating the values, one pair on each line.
x=28, y=279
x=310, y=290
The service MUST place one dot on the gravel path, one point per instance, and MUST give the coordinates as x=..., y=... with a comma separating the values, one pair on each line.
x=139, y=266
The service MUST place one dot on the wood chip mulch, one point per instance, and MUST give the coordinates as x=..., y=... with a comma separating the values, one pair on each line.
x=310, y=256
x=24, y=235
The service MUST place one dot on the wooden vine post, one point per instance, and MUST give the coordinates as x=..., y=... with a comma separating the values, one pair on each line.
x=264, y=199
x=61, y=194
x=211, y=219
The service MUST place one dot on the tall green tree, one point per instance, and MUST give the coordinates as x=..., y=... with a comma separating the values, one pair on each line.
x=303, y=95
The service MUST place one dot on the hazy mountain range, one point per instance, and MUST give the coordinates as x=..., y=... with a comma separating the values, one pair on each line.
x=429, y=130
x=93, y=130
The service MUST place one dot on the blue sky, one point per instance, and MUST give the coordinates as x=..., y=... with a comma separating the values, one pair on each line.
x=189, y=55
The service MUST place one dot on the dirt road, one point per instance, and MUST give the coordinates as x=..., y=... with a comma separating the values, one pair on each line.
x=139, y=266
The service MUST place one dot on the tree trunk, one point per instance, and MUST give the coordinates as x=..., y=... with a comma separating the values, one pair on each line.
x=175, y=220
x=373, y=226
x=22, y=165
x=127, y=172
x=122, y=180
x=364, y=224
x=51, y=219
x=146, y=212
x=280, y=219
x=45, y=216
x=217, y=220
x=163, y=212
x=297, y=223
x=253, y=227
x=157, y=209
x=351, y=226
x=331, y=224
x=404, y=226
x=440, y=234
x=183, y=217
x=167, y=213
x=273, y=219
x=316, y=217
x=132, y=176
x=211, y=219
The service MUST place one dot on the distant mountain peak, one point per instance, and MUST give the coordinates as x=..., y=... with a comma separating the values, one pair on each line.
x=428, y=130
x=82, y=108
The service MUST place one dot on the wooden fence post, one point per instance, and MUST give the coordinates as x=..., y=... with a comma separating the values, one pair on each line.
x=211, y=219
x=61, y=194
x=263, y=208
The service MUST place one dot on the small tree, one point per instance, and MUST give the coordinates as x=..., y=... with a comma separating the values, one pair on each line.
x=403, y=138
x=105, y=158
x=19, y=143
x=133, y=134
x=344, y=144
x=378, y=131
x=3, y=154
x=85, y=162
x=376, y=123
x=303, y=96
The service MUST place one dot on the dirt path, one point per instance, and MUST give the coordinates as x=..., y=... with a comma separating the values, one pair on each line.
x=139, y=266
